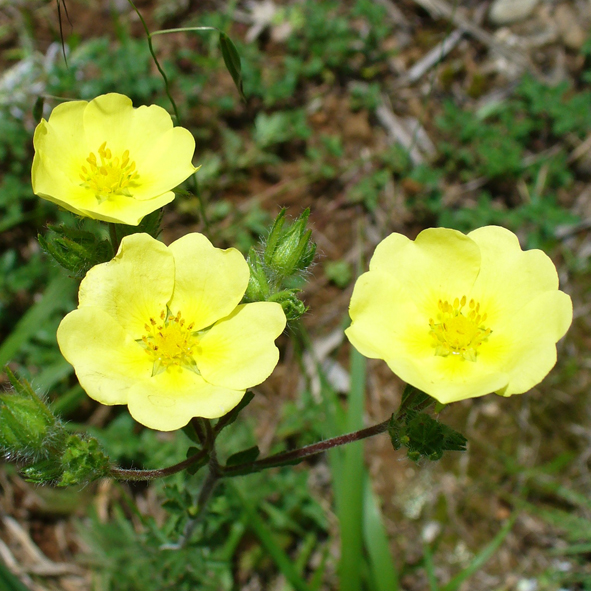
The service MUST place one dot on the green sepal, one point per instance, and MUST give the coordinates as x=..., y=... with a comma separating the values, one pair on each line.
x=191, y=433
x=75, y=250
x=232, y=61
x=415, y=399
x=246, y=456
x=258, y=284
x=274, y=236
x=150, y=224
x=293, y=307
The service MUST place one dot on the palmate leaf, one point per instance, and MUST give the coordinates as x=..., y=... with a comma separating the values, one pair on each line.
x=423, y=436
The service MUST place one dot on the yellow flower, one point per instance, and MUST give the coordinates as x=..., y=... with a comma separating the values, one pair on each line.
x=460, y=316
x=105, y=160
x=161, y=329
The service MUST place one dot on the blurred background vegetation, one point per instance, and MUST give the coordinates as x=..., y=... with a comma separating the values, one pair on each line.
x=379, y=116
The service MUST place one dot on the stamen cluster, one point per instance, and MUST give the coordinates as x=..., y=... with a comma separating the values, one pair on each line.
x=456, y=332
x=169, y=343
x=110, y=176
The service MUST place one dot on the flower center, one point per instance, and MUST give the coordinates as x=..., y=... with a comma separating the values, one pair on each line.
x=459, y=332
x=107, y=175
x=170, y=343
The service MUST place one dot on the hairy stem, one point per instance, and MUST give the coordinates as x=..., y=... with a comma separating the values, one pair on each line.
x=137, y=475
x=305, y=452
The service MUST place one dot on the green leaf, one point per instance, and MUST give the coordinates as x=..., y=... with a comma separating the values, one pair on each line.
x=233, y=414
x=423, y=436
x=38, y=109
x=246, y=456
x=232, y=61
x=193, y=469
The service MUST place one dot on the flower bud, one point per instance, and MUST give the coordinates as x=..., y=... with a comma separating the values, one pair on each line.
x=22, y=426
x=258, y=285
x=25, y=421
x=290, y=251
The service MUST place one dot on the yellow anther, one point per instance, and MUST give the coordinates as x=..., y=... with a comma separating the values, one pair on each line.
x=456, y=333
x=111, y=176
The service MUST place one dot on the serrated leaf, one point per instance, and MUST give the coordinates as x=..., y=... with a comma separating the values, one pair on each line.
x=452, y=440
x=246, y=456
x=426, y=437
x=423, y=436
x=232, y=61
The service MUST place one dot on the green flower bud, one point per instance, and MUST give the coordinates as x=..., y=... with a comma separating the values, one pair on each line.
x=22, y=423
x=258, y=285
x=75, y=250
x=25, y=421
x=30, y=432
x=290, y=251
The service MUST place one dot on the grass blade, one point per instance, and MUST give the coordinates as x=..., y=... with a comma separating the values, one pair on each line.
x=56, y=293
x=482, y=557
x=282, y=560
x=350, y=507
x=8, y=582
x=430, y=568
x=382, y=569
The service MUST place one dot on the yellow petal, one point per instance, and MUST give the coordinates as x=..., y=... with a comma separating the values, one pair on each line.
x=121, y=209
x=165, y=163
x=532, y=335
x=440, y=263
x=380, y=312
x=63, y=134
x=209, y=281
x=509, y=278
x=133, y=287
x=107, y=360
x=108, y=117
x=169, y=400
x=448, y=379
x=239, y=351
